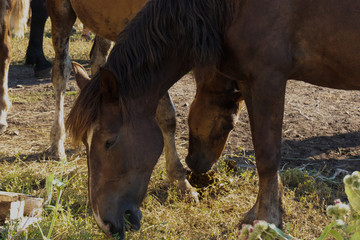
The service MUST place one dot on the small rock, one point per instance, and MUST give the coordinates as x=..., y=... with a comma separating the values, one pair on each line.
x=12, y=133
x=19, y=86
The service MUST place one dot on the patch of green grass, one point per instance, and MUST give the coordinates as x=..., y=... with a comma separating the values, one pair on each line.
x=312, y=184
x=31, y=97
x=71, y=93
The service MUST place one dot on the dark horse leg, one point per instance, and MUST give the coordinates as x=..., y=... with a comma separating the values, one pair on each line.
x=5, y=49
x=264, y=97
x=165, y=115
x=62, y=19
x=35, y=54
x=99, y=53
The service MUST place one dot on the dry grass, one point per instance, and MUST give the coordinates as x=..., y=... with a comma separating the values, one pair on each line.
x=167, y=215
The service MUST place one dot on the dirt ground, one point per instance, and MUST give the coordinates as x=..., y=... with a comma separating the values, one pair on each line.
x=320, y=130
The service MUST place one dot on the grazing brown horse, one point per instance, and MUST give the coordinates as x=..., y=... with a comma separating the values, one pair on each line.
x=255, y=45
x=106, y=21
x=13, y=16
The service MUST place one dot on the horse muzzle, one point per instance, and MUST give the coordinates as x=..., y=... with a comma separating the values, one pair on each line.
x=198, y=162
x=118, y=225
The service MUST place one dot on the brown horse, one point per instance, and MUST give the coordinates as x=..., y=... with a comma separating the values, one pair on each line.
x=13, y=16
x=255, y=45
x=63, y=14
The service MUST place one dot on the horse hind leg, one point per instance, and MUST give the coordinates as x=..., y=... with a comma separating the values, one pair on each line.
x=99, y=53
x=165, y=115
x=35, y=54
x=5, y=56
x=62, y=19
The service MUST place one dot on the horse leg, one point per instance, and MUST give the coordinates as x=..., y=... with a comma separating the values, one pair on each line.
x=62, y=19
x=265, y=103
x=99, y=53
x=165, y=115
x=5, y=56
x=35, y=54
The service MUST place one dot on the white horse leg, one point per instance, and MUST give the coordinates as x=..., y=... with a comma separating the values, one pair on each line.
x=62, y=19
x=4, y=70
x=99, y=53
x=165, y=115
x=5, y=56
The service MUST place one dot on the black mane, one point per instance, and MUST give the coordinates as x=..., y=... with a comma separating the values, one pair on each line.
x=193, y=28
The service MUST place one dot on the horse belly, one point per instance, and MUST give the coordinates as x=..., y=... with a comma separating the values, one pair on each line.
x=106, y=18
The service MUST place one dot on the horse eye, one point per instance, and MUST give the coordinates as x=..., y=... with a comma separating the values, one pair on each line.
x=109, y=143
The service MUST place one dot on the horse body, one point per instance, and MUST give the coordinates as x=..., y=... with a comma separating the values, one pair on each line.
x=106, y=18
x=314, y=42
x=258, y=45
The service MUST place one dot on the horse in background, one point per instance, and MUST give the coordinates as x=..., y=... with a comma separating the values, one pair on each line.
x=35, y=53
x=13, y=18
x=251, y=49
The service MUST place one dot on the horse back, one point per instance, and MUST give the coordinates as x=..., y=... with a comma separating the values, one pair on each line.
x=314, y=41
x=106, y=18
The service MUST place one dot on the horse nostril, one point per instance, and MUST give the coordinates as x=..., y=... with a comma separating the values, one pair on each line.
x=132, y=220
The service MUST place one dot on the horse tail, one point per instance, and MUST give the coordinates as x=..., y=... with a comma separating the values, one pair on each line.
x=19, y=17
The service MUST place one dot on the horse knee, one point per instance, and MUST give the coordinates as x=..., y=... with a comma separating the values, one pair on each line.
x=165, y=115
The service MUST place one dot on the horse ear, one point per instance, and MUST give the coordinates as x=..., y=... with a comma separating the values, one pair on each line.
x=108, y=83
x=81, y=76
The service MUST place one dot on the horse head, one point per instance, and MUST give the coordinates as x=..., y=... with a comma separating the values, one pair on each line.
x=123, y=146
x=212, y=116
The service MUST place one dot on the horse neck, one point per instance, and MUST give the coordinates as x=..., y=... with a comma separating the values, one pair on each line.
x=165, y=40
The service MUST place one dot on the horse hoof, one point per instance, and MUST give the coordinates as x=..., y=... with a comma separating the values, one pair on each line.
x=251, y=216
x=191, y=194
x=51, y=154
x=201, y=180
x=44, y=73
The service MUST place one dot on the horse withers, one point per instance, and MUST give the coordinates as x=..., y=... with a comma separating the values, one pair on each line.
x=252, y=49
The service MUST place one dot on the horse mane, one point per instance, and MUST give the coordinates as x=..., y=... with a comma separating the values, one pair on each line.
x=85, y=110
x=190, y=28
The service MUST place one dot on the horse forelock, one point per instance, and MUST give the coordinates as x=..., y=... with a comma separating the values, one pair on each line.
x=85, y=110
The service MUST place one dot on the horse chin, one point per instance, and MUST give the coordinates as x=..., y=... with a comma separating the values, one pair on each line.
x=104, y=226
x=130, y=221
